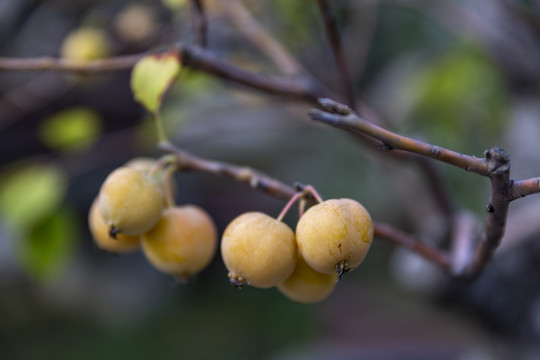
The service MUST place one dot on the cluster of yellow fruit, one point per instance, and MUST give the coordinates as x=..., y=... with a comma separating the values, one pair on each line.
x=130, y=212
x=332, y=237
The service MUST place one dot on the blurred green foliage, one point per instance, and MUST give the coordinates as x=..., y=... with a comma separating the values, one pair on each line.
x=73, y=129
x=48, y=246
x=29, y=194
x=462, y=102
x=31, y=202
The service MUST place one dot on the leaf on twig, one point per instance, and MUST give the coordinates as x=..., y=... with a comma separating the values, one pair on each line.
x=152, y=76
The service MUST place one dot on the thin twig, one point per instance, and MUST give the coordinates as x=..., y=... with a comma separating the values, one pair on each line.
x=199, y=23
x=400, y=238
x=192, y=57
x=495, y=165
x=260, y=38
x=277, y=189
x=63, y=65
x=299, y=88
x=391, y=141
x=332, y=33
x=242, y=174
x=497, y=209
x=521, y=188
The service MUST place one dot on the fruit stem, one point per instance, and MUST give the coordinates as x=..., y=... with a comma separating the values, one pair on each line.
x=167, y=186
x=162, y=137
x=311, y=190
x=287, y=207
x=301, y=207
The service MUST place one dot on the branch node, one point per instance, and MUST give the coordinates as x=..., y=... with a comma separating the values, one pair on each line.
x=334, y=107
x=498, y=161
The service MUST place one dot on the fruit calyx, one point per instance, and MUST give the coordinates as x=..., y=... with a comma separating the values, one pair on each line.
x=342, y=268
x=237, y=281
x=113, y=232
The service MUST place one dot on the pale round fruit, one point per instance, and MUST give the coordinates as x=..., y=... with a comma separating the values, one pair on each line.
x=182, y=243
x=130, y=202
x=306, y=285
x=258, y=250
x=144, y=164
x=100, y=233
x=335, y=235
x=85, y=43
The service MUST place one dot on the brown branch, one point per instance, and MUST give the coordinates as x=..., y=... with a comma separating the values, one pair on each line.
x=298, y=88
x=63, y=65
x=192, y=57
x=522, y=188
x=431, y=173
x=199, y=23
x=332, y=33
x=343, y=117
x=495, y=165
x=497, y=209
x=400, y=238
x=260, y=38
x=277, y=189
x=242, y=174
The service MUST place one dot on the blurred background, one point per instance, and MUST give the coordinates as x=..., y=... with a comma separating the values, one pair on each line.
x=460, y=74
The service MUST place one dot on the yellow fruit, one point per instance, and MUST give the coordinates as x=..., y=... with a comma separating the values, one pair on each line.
x=335, y=235
x=306, y=285
x=258, y=250
x=182, y=243
x=85, y=43
x=146, y=165
x=100, y=233
x=130, y=202
x=143, y=164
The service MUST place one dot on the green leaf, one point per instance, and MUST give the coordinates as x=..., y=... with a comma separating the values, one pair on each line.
x=48, y=245
x=29, y=194
x=152, y=76
x=72, y=129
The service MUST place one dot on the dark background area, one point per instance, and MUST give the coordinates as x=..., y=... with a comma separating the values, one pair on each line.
x=463, y=75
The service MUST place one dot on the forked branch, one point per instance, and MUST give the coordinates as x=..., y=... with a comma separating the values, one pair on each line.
x=275, y=188
x=495, y=164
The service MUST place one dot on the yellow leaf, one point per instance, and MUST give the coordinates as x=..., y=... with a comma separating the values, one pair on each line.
x=152, y=76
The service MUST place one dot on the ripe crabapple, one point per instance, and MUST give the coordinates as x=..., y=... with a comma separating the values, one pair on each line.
x=182, y=243
x=335, y=235
x=258, y=250
x=130, y=202
x=100, y=233
x=306, y=285
x=143, y=164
